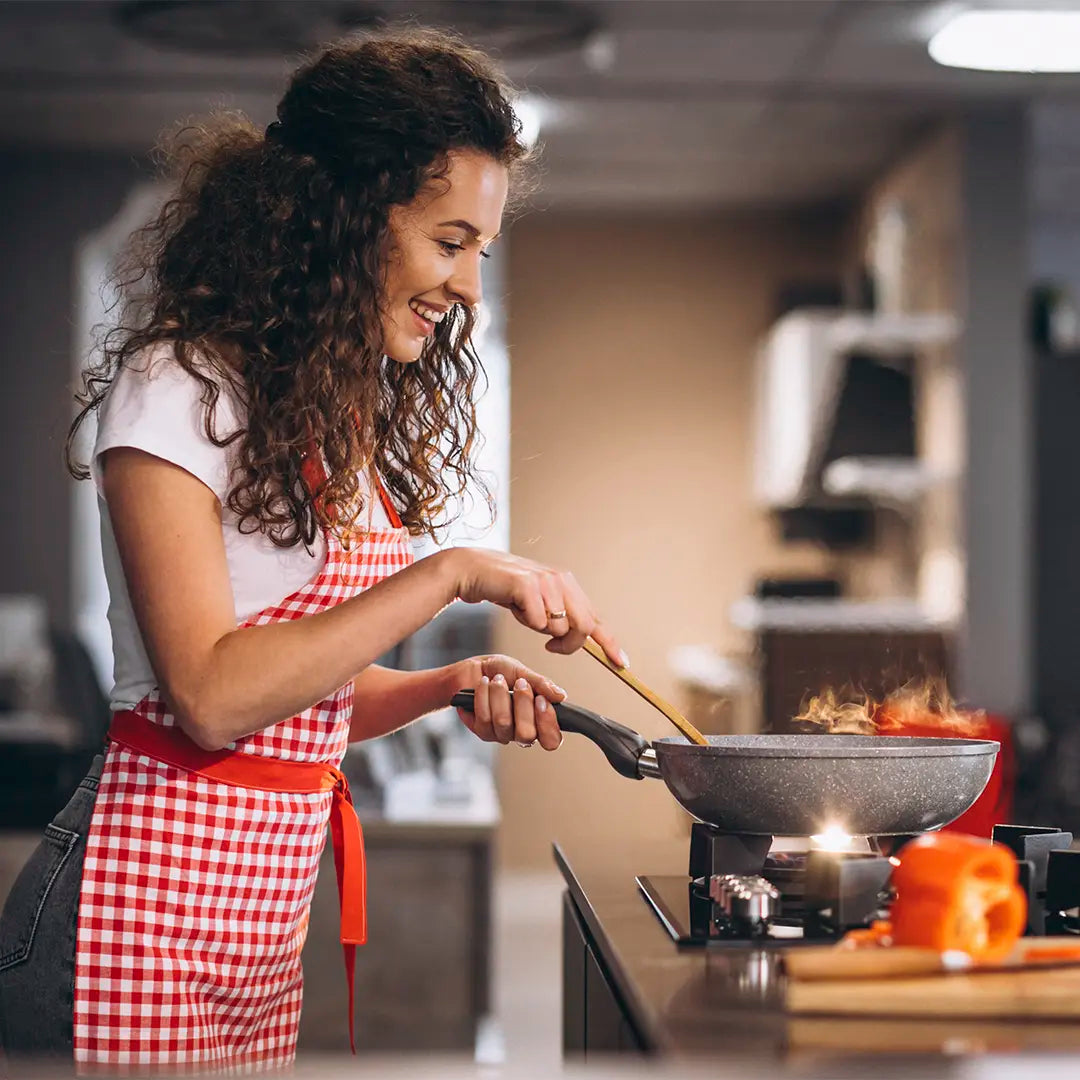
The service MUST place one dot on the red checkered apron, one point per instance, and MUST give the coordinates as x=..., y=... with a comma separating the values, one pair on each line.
x=196, y=890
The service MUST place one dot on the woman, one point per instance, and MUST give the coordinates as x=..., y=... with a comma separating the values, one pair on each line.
x=289, y=401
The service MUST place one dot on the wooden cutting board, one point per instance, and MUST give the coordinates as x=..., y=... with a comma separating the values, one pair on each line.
x=810, y=1036
x=1049, y=993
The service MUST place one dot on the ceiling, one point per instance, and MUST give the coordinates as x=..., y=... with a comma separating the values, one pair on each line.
x=649, y=103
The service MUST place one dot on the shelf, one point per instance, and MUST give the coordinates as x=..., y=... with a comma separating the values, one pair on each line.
x=800, y=370
x=892, y=335
x=896, y=481
x=898, y=614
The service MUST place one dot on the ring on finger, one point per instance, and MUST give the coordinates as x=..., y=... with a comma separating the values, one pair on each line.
x=552, y=615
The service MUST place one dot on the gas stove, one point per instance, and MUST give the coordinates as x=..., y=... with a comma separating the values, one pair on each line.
x=741, y=893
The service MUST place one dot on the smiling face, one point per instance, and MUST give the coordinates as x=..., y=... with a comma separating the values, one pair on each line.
x=438, y=241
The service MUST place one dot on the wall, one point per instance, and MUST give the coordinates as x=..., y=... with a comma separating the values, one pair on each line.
x=631, y=342
x=50, y=200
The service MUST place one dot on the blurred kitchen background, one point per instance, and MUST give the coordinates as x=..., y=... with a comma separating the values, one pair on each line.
x=784, y=364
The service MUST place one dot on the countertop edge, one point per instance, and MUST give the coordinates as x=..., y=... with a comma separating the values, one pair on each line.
x=652, y=1034
x=424, y=831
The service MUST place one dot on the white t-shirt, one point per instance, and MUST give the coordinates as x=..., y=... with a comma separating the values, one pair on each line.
x=156, y=406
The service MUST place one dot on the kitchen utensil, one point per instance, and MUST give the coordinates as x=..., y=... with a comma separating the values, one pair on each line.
x=654, y=699
x=798, y=785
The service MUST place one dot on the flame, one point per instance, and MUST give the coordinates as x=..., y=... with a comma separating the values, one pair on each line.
x=833, y=838
x=920, y=706
x=838, y=717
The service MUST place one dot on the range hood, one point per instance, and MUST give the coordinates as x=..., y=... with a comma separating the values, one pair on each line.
x=836, y=387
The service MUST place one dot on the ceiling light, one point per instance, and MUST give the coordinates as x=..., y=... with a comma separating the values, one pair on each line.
x=1031, y=41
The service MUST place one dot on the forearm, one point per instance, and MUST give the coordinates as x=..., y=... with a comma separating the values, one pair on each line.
x=260, y=675
x=385, y=700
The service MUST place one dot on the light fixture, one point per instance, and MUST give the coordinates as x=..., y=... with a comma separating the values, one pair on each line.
x=1001, y=40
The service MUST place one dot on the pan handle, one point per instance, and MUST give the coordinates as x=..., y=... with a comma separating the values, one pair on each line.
x=628, y=753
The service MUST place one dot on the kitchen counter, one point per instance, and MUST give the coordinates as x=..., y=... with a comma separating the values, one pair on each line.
x=642, y=994
x=428, y=952
x=416, y=1066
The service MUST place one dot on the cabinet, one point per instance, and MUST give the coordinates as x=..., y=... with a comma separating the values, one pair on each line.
x=422, y=979
x=595, y=1021
x=801, y=370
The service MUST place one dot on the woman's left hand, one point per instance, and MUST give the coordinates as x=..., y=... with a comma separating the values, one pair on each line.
x=524, y=717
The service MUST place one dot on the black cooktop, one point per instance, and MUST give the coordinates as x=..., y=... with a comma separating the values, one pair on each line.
x=686, y=913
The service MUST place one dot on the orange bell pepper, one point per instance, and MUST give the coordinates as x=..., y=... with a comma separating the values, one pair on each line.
x=957, y=892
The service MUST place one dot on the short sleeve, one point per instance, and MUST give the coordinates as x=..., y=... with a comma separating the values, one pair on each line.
x=155, y=405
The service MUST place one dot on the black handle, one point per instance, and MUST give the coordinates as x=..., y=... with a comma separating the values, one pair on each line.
x=621, y=745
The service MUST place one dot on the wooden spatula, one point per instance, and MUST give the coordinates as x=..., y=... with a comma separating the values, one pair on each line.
x=654, y=700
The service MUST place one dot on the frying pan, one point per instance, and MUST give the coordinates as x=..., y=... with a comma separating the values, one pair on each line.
x=797, y=785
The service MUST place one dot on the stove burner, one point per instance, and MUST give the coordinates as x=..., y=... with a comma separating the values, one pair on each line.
x=816, y=895
x=714, y=852
x=1038, y=850
x=844, y=890
x=740, y=893
x=688, y=914
x=787, y=871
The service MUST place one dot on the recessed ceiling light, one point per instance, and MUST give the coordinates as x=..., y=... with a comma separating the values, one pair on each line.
x=1031, y=41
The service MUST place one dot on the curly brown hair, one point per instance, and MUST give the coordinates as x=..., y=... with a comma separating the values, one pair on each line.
x=264, y=272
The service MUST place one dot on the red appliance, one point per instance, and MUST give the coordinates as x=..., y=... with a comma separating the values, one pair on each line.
x=995, y=804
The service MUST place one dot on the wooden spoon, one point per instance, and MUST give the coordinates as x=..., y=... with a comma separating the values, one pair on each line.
x=657, y=702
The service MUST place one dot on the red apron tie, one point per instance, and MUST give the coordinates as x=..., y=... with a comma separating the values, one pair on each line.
x=171, y=746
x=313, y=473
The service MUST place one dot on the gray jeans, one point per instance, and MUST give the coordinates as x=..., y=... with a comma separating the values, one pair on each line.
x=37, y=934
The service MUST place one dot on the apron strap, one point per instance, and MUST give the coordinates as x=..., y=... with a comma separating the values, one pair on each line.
x=388, y=506
x=314, y=475
x=350, y=863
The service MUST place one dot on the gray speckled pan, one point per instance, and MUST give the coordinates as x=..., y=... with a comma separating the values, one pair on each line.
x=797, y=785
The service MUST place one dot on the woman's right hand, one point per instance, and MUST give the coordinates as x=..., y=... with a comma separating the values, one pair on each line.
x=544, y=599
